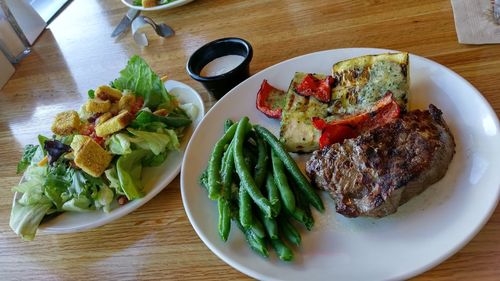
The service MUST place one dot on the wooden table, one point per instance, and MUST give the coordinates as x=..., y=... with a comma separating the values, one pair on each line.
x=156, y=241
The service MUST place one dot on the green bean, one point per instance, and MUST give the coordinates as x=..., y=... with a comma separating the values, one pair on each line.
x=289, y=231
x=214, y=164
x=250, y=158
x=292, y=167
x=270, y=225
x=245, y=210
x=224, y=225
x=282, y=250
x=227, y=124
x=301, y=216
x=286, y=194
x=203, y=179
x=227, y=171
x=257, y=244
x=262, y=160
x=258, y=228
x=243, y=172
x=303, y=211
x=273, y=194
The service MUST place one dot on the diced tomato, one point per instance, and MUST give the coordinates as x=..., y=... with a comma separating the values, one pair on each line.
x=87, y=129
x=385, y=111
x=270, y=100
x=312, y=86
x=137, y=105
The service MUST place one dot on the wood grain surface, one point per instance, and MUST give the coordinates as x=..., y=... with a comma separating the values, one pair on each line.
x=76, y=53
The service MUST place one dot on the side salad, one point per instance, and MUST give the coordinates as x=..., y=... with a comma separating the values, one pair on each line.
x=151, y=3
x=95, y=158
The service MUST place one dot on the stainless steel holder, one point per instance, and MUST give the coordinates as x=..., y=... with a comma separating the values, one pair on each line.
x=13, y=58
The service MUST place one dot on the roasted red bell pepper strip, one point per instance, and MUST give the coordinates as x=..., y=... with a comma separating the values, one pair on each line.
x=312, y=86
x=385, y=111
x=270, y=100
x=336, y=133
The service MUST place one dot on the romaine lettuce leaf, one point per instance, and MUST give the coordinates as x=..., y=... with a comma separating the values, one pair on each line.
x=119, y=144
x=29, y=152
x=156, y=142
x=152, y=160
x=129, y=169
x=29, y=210
x=56, y=184
x=173, y=120
x=78, y=204
x=104, y=198
x=25, y=219
x=139, y=78
x=114, y=182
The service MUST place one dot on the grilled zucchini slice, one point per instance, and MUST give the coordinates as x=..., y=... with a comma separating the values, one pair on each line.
x=362, y=81
x=359, y=83
x=297, y=132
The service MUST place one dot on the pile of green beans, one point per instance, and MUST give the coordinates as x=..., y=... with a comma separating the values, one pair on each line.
x=258, y=185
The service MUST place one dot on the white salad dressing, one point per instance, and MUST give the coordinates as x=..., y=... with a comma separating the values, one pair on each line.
x=221, y=65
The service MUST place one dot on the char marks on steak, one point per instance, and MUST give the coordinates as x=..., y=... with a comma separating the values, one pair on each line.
x=375, y=173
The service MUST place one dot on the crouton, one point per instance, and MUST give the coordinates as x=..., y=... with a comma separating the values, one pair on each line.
x=108, y=93
x=103, y=118
x=92, y=158
x=161, y=112
x=97, y=105
x=114, y=124
x=114, y=108
x=148, y=3
x=66, y=123
x=126, y=102
x=78, y=141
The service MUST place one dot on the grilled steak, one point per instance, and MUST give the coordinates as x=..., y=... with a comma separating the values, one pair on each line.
x=375, y=173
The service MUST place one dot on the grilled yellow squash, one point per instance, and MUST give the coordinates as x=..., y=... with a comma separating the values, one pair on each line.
x=359, y=83
x=297, y=132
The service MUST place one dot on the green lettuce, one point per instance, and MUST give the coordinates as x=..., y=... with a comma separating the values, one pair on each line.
x=152, y=160
x=173, y=120
x=25, y=219
x=78, y=204
x=157, y=142
x=104, y=198
x=56, y=188
x=29, y=152
x=114, y=182
x=119, y=144
x=129, y=169
x=29, y=210
x=139, y=78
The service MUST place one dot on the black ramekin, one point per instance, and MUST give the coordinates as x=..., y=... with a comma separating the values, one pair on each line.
x=219, y=85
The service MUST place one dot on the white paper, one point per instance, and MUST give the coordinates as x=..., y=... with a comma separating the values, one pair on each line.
x=474, y=22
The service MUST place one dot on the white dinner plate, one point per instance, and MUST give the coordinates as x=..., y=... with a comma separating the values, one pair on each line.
x=154, y=179
x=170, y=5
x=423, y=233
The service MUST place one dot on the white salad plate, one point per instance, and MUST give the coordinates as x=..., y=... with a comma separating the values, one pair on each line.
x=176, y=3
x=154, y=179
x=424, y=232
